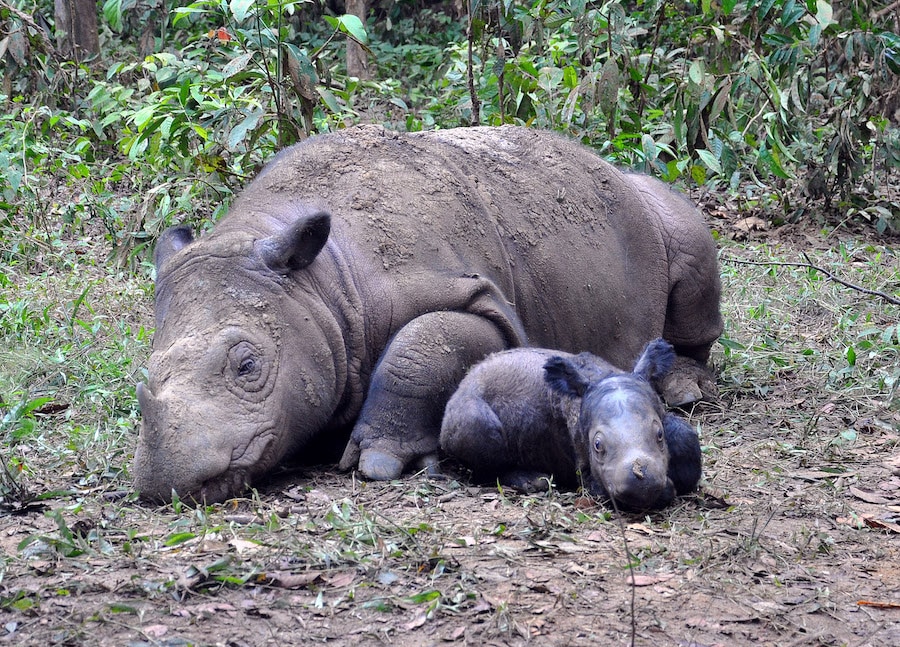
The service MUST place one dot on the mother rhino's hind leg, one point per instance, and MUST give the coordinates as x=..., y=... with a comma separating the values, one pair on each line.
x=401, y=419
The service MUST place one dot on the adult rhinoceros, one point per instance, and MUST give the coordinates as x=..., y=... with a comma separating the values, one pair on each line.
x=362, y=272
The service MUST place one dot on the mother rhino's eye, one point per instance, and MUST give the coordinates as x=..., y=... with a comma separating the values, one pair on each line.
x=247, y=367
x=245, y=364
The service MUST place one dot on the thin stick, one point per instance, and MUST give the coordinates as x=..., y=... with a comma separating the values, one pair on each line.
x=886, y=10
x=476, y=105
x=630, y=559
x=809, y=264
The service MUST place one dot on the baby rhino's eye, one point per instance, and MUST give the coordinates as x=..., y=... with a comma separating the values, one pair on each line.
x=598, y=445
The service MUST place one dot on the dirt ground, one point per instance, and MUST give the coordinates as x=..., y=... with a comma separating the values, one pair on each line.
x=794, y=538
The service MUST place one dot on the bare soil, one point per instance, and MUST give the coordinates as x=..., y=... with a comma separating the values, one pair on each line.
x=794, y=538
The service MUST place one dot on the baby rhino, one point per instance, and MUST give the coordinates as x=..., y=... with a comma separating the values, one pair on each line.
x=529, y=413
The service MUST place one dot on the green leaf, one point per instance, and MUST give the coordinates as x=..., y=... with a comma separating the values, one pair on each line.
x=425, y=596
x=764, y=8
x=183, y=12
x=728, y=6
x=695, y=72
x=791, y=13
x=710, y=160
x=112, y=11
x=353, y=27
x=119, y=607
x=773, y=164
x=200, y=130
x=849, y=435
x=329, y=99
x=236, y=64
x=824, y=13
x=142, y=116
x=608, y=87
x=179, y=538
x=240, y=9
x=649, y=148
x=730, y=344
x=698, y=174
x=850, y=354
x=570, y=77
x=239, y=132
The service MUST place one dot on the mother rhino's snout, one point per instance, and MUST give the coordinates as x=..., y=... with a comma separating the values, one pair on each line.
x=170, y=458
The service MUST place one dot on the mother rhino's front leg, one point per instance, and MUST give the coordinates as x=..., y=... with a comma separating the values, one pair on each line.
x=401, y=419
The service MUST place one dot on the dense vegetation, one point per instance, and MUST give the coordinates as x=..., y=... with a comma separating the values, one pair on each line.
x=787, y=104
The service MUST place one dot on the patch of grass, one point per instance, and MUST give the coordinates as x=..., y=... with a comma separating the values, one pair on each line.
x=75, y=339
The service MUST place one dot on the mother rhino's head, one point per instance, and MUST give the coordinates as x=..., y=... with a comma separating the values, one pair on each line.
x=243, y=368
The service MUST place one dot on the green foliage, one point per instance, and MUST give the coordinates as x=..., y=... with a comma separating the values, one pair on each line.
x=786, y=103
x=742, y=96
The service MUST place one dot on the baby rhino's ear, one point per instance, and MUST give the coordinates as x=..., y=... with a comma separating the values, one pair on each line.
x=655, y=361
x=562, y=376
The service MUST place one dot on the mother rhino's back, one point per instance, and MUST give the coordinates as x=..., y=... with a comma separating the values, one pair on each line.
x=562, y=233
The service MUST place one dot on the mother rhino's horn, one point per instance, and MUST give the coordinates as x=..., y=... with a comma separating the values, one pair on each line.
x=298, y=245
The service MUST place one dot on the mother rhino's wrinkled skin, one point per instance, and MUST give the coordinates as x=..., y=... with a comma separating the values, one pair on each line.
x=359, y=276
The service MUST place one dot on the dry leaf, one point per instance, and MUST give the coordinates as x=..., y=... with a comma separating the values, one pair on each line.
x=649, y=580
x=291, y=580
x=869, y=520
x=868, y=497
x=882, y=525
x=456, y=634
x=751, y=223
x=815, y=475
x=340, y=580
x=420, y=619
x=584, y=503
x=243, y=546
x=155, y=631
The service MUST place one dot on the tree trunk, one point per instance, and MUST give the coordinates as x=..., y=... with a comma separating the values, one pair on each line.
x=357, y=63
x=76, y=28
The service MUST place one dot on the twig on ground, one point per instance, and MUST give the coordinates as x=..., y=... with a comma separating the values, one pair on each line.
x=630, y=559
x=828, y=275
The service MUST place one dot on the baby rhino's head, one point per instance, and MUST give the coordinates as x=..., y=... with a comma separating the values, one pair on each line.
x=622, y=420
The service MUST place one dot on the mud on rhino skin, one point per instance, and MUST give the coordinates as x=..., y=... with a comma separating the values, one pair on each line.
x=355, y=280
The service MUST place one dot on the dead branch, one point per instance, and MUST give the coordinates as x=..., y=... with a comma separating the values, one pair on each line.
x=828, y=275
x=886, y=10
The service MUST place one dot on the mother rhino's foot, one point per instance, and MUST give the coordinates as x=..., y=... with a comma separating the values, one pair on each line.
x=424, y=363
x=383, y=465
x=688, y=382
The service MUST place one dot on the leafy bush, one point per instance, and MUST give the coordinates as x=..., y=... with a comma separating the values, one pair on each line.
x=732, y=95
x=197, y=118
x=786, y=104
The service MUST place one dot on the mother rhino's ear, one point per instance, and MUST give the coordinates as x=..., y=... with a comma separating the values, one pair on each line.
x=298, y=245
x=171, y=240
